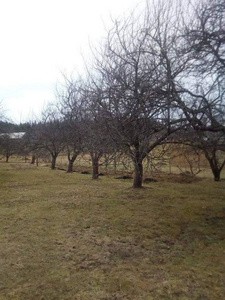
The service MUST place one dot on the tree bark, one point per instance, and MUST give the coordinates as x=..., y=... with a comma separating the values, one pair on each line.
x=95, y=157
x=53, y=163
x=70, y=166
x=95, y=166
x=7, y=158
x=138, y=166
x=95, y=169
x=138, y=175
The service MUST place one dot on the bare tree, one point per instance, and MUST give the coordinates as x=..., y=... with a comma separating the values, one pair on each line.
x=72, y=108
x=133, y=77
x=97, y=141
x=212, y=145
x=73, y=140
x=48, y=134
x=9, y=145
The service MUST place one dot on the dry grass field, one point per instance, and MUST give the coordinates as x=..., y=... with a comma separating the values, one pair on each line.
x=67, y=237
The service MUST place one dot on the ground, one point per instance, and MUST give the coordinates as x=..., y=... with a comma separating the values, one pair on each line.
x=66, y=236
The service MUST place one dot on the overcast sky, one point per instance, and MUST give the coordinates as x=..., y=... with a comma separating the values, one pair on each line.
x=40, y=39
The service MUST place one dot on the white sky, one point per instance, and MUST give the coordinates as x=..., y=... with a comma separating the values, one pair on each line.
x=42, y=38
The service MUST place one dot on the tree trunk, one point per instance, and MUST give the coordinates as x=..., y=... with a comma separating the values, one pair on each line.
x=53, y=163
x=70, y=166
x=33, y=158
x=214, y=167
x=7, y=158
x=138, y=175
x=216, y=173
x=95, y=168
x=71, y=161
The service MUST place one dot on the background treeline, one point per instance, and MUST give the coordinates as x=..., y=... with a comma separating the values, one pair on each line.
x=12, y=127
x=158, y=78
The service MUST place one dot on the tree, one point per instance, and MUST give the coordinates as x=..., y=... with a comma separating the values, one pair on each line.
x=135, y=85
x=72, y=109
x=73, y=140
x=97, y=144
x=97, y=140
x=9, y=145
x=212, y=145
x=48, y=134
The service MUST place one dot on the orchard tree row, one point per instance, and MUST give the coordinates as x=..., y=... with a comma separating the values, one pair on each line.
x=157, y=78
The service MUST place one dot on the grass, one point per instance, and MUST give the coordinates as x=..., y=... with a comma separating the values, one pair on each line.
x=65, y=236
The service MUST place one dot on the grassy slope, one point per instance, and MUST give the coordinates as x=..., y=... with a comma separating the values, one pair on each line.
x=65, y=236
